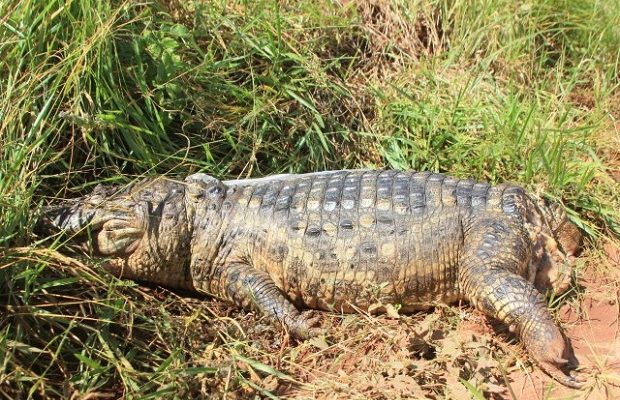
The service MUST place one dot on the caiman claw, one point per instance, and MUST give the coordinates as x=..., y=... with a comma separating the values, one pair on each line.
x=304, y=326
x=555, y=371
x=551, y=352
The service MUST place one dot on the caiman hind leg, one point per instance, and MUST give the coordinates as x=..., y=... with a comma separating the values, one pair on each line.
x=489, y=281
x=250, y=288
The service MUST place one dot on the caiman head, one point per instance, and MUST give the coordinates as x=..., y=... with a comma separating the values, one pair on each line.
x=143, y=230
x=556, y=243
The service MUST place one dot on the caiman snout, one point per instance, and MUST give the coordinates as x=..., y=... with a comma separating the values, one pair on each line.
x=110, y=228
x=67, y=219
x=144, y=229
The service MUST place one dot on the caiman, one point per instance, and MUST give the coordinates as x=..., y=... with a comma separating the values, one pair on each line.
x=340, y=241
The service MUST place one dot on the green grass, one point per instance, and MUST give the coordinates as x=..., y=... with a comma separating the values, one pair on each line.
x=96, y=91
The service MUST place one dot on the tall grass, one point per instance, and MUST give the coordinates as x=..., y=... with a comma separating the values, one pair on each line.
x=96, y=91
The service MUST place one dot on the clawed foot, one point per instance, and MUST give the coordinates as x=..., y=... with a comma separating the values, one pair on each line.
x=553, y=358
x=556, y=369
x=304, y=326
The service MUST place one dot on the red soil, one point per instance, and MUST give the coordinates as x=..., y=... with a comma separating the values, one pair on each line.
x=595, y=336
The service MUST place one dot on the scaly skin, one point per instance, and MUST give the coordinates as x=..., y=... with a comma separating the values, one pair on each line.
x=340, y=240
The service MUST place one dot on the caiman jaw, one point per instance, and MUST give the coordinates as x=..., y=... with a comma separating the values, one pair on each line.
x=111, y=230
x=118, y=236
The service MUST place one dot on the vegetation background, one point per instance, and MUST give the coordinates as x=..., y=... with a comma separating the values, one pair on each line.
x=95, y=91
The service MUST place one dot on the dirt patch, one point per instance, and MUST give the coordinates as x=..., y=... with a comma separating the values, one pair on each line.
x=394, y=35
x=612, y=251
x=583, y=97
x=611, y=155
x=389, y=358
x=614, y=105
x=594, y=330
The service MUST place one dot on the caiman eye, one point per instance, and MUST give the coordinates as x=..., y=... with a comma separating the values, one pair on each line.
x=118, y=237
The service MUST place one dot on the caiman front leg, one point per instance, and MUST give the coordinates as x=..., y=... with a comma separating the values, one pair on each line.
x=250, y=288
x=488, y=281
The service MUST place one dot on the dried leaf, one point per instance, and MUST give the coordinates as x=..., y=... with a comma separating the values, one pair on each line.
x=319, y=342
x=392, y=311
